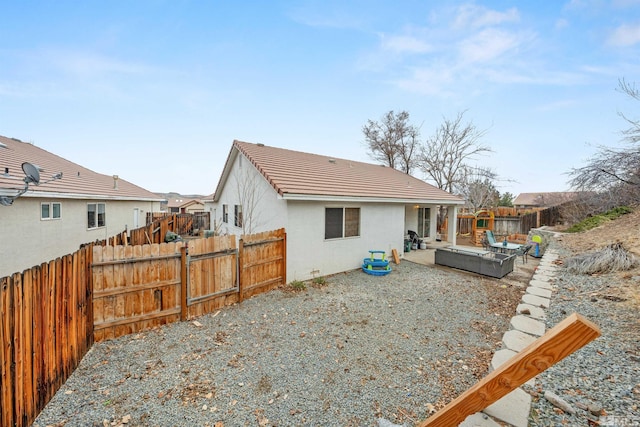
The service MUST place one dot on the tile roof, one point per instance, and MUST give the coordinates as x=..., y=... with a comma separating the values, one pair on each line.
x=298, y=175
x=545, y=199
x=77, y=181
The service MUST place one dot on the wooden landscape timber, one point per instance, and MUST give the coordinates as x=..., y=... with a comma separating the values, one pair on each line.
x=569, y=335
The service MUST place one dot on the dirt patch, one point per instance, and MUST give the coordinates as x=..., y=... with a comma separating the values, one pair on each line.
x=624, y=230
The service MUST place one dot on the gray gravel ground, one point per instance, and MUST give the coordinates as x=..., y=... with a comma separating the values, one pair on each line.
x=602, y=380
x=342, y=354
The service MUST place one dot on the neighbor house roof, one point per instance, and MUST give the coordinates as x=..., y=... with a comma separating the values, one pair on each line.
x=77, y=182
x=545, y=199
x=305, y=176
x=179, y=202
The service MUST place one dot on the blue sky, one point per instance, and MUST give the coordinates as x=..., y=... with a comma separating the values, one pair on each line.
x=156, y=91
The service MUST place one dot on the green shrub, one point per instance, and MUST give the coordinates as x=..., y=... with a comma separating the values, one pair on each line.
x=597, y=220
x=298, y=285
x=319, y=281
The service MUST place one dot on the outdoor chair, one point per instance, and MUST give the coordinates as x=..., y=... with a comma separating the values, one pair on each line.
x=523, y=251
x=485, y=244
x=490, y=237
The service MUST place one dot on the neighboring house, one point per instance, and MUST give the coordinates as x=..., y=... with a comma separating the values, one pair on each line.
x=334, y=210
x=54, y=219
x=544, y=200
x=184, y=205
x=192, y=206
x=173, y=204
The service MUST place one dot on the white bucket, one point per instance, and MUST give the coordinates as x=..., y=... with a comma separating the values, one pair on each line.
x=423, y=245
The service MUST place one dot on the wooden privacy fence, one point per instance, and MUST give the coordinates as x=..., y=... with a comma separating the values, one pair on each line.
x=136, y=288
x=155, y=232
x=508, y=221
x=45, y=330
x=52, y=313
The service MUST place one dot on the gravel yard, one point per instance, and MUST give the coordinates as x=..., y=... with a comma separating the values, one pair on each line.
x=600, y=382
x=342, y=353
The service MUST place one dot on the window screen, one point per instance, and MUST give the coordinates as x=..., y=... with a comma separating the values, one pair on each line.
x=332, y=223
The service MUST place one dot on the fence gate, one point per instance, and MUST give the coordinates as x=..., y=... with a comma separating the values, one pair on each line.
x=212, y=279
x=263, y=262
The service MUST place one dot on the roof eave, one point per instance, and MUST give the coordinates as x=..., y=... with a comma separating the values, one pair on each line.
x=366, y=199
x=54, y=195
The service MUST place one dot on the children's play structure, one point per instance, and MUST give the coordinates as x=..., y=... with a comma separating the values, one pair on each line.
x=376, y=264
x=481, y=221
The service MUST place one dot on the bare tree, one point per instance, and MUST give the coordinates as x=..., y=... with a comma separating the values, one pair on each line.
x=393, y=141
x=477, y=187
x=445, y=155
x=249, y=196
x=614, y=167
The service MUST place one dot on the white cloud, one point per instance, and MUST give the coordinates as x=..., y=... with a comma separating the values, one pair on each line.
x=402, y=44
x=561, y=24
x=428, y=80
x=474, y=16
x=625, y=35
x=488, y=44
x=89, y=63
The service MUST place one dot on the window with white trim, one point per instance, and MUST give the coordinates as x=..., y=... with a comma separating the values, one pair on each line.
x=50, y=211
x=237, y=216
x=96, y=215
x=225, y=214
x=341, y=222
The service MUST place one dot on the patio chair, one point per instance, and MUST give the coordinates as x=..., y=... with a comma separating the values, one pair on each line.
x=490, y=237
x=523, y=251
x=485, y=243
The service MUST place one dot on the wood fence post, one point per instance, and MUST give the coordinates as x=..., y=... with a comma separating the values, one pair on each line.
x=240, y=264
x=560, y=341
x=184, y=309
x=284, y=256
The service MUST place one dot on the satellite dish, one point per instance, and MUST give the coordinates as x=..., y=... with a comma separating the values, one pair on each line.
x=31, y=172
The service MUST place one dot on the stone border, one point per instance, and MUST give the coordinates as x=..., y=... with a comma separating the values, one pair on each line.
x=526, y=326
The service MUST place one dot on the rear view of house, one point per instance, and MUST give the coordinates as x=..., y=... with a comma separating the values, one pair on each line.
x=334, y=210
x=55, y=217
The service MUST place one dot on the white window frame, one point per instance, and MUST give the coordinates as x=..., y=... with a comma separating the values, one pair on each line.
x=51, y=215
x=237, y=216
x=343, y=220
x=225, y=214
x=96, y=221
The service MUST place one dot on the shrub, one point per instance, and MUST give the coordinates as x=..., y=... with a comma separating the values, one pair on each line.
x=319, y=281
x=597, y=220
x=298, y=285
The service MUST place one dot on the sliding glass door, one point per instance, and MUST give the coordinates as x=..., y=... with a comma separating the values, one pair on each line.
x=424, y=222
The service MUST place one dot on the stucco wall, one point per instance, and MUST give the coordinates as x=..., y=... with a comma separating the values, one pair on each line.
x=269, y=212
x=27, y=240
x=310, y=255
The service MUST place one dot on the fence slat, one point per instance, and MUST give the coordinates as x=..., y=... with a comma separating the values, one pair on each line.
x=52, y=313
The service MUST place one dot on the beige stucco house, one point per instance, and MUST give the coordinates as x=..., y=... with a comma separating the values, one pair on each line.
x=334, y=210
x=54, y=218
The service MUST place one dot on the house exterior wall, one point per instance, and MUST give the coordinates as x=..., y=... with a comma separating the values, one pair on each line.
x=411, y=219
x=28, y=240
x=310, y=255
x=197, y=207
x=263, y=210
